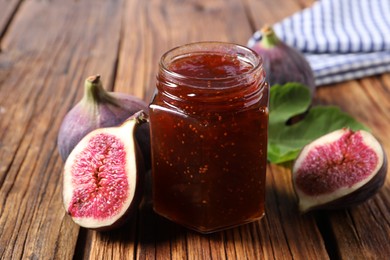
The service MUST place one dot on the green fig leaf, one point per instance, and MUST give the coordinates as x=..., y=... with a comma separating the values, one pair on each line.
x=292, y=99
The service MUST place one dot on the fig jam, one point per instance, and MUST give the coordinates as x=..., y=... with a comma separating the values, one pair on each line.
x=209, y=120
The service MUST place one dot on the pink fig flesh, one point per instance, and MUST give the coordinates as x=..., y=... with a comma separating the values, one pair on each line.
x=99, y=108
x=339, y=170
x=103, y=177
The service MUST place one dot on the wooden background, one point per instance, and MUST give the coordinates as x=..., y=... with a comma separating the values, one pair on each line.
x=47, y=50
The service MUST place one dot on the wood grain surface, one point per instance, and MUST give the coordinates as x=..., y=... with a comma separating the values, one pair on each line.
x=47, y=50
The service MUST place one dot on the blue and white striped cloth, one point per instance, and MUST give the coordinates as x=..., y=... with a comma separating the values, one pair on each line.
x=341, y=39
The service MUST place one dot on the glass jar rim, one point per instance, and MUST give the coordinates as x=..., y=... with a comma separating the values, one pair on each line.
x=257, y=63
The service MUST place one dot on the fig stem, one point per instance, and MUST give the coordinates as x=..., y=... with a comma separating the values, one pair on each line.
x=94, y=91
x=141, y=117
x=94, y=78
x=269, y=39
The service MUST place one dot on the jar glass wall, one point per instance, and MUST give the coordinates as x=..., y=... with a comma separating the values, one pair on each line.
x=209, y=121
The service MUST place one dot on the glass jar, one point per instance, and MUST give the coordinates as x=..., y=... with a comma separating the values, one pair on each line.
x=209, y=120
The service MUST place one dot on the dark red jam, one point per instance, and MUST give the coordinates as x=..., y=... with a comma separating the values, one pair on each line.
x=209, y=122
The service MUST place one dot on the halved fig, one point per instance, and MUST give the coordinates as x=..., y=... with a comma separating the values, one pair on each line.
x=338, y=170
x=103, y=175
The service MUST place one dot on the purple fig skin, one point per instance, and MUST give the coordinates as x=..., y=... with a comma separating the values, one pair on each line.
x=99, y=108
x=283, y=63
x=69, y=186
x=352, y=197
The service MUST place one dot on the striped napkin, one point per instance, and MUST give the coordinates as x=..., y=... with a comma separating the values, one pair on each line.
x=341, y=39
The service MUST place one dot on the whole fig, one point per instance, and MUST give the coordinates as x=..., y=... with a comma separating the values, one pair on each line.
x=99, y=108
x=283, y=63
x=339, y=170
x=103, y=176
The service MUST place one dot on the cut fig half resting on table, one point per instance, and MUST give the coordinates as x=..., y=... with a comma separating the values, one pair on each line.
x=103, y=175
x=339, y=170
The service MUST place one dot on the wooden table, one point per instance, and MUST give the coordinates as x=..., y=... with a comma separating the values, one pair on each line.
x=48, y=48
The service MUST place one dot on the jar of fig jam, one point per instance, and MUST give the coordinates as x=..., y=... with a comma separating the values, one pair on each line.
x=209, y=120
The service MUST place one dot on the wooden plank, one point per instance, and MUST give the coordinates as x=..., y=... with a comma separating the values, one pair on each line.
x=293, y=228
x=133, y=53
x=270, y=12
x=150, y=28
x=48, y=51
x=7, y=10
